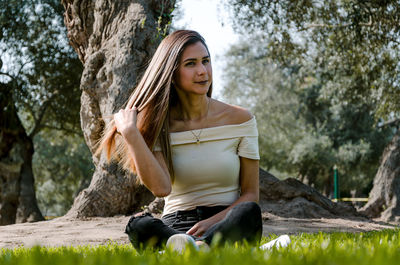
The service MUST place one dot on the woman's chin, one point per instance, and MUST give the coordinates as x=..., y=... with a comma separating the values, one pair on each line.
x=198, y=90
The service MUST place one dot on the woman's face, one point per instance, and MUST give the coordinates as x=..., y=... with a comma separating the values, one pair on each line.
x=194, y=73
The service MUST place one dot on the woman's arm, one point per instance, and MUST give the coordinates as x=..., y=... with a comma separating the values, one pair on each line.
x=249, y=186
x=151, y=169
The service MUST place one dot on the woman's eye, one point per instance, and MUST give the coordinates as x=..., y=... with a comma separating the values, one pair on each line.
x=189, y=64
x=205, y=61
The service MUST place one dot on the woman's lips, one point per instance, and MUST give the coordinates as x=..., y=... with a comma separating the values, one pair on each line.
x=202, y=82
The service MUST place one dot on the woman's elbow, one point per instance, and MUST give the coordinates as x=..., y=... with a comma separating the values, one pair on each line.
x=255, y=198
x=252, y=196
x=162, y=191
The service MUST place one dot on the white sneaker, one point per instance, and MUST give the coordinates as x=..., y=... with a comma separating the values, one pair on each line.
x=179, y=242
x=282, y=241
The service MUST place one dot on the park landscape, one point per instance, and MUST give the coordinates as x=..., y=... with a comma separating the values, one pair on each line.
x=321, y=77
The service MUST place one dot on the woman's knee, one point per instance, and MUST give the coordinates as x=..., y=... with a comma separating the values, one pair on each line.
x=134, y=224
x=243, y=222
x=145, y=230
x=246, y=213
x=249, y=208
x=142, y=223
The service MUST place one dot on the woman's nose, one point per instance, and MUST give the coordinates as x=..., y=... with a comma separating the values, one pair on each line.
x=201, y=69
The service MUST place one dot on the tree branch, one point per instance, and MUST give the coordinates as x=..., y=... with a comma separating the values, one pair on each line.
x=42, y=110
x=309, y=26
x=6, y=74
x=22, y=66
x=28, y=108
x=394, y=122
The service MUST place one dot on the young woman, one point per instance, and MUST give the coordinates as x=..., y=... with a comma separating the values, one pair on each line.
x=197, y=152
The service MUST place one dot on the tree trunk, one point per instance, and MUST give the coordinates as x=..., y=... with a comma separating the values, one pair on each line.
x=114, y=41
x=9, y=191
x=16, y=178
x=28, y=210
x=384, y=198
x=10, y=158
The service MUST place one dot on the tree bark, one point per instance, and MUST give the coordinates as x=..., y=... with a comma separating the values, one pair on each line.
x=384, y=198
x=9, y=191
x=10, y=165
x=17, y=194
x=28, y=210
x=114, y=40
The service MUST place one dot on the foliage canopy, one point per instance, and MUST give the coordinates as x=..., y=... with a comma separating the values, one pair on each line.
x=39, y=65
x=321, y=76
x=40, y=73
x=353, y=45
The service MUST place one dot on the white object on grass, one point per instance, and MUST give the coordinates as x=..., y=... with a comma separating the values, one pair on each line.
x=282, y=241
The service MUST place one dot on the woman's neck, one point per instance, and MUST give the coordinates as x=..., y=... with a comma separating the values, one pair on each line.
x=193, y=107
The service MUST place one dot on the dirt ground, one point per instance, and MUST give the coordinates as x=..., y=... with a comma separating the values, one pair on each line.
x=100, y=231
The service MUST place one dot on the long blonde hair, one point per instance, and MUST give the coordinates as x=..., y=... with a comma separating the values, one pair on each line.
x=152, y=97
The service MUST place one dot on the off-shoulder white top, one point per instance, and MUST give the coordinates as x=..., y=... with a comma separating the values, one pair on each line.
x=207, y=174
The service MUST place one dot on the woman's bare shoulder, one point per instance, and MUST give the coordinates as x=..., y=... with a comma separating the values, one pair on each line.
x=232, y=114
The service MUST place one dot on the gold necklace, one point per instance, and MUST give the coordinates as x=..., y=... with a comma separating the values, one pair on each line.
x=197, y=137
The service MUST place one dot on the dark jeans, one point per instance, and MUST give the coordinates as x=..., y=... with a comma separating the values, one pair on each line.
x=242, y=222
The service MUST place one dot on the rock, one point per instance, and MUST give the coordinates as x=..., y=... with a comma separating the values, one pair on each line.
x=292, y=198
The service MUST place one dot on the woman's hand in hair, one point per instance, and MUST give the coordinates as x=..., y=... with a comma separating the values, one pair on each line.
x=125, y=121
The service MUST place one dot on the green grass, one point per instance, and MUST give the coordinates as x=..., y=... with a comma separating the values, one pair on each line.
x=381, y=247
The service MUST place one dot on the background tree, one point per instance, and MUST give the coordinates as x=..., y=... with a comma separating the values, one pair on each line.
x=62, y=167
x=302, y=133
x=352, y=46
x=39, y=90
x=114, y=40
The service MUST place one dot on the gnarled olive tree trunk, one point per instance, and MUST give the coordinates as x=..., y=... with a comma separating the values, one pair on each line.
x=114, y=41
x=384, y=198
x=10, y=158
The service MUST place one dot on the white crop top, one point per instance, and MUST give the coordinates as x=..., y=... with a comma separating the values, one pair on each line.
x=207, y=174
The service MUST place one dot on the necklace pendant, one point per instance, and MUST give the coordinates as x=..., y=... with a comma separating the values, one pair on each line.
x=198, y=141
